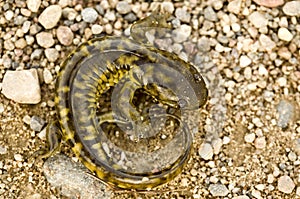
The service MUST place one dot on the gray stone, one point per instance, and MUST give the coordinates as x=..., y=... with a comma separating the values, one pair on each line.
x=22, y=86
x=33, y=5
x=292, y=8
x=285, y=184
x=73, y=179
x=64, y=35
x=210, y=14
x=218, y=190
x=285, y=111
x=123, y=7
x=89, y=15
x=204, y=44
x=183, y=15
x=45, y=39
x=182, y=33
x=50, y=16
x=36, y=54
x=36, y=123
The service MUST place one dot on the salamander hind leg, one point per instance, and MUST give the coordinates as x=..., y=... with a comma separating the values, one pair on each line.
x=53, y=137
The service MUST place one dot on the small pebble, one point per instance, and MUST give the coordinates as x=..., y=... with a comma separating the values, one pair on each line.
x=9, y=15
x=206, y=151
x=9, y=45
x=36, y=123
x=249, y=138
x=260, y=142
x=292, y=8
x=26, y=26
x=235, y=6
x=97, y=29
x=245, y=61
x=21, y=43
x=50, y=16
x=218, y=4
x=285, y=53
x=257, y=122
x=3, y=150
x=292, y=156
x=269, y=3
x=266, y=43
x=281, y=81
x=26, y=119
x=284, y=34
x=226, y=140
x=109, y=15
x=18, y=157
x=167, y=6
x=285, y=184
x=89, y=15
x=22, y=86
x=256, y=194
x=258, y=19
x=210, y=14
x=123, y=7
x=45, y=39
x=183, y=15
x=217, y=145
x=218, y=190
x=204, y=44
x=51, y=54
x=33, y=5
x=36, y=54
x=48, y=78
x=182, y=33
x=285, y=111
x=65, y=35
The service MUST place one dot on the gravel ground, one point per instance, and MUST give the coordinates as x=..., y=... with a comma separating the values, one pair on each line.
x=248, y=52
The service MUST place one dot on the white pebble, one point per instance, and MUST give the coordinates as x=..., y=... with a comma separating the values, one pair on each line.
x=260, y=142
x=281, y=81
x=18, y=157
x=286, y=184
x=249, y=138
x=206, y=151
x=284, y=34
x=245, y=61
x=97, y=29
